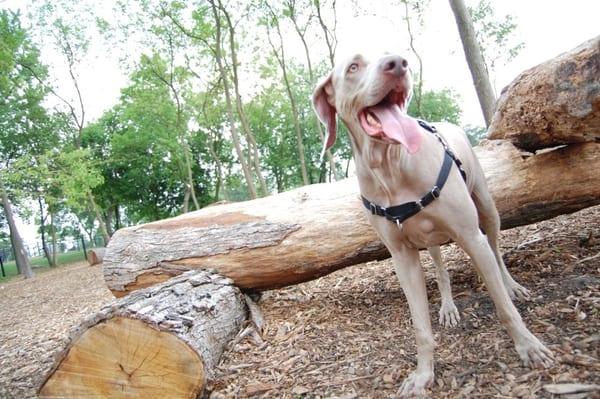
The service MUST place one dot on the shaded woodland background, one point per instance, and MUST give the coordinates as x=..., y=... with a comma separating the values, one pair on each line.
x=217, y=106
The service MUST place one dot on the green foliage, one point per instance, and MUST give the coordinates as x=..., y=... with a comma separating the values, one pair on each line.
x=23, y=119
x=132, y=160
x=475, y=133
x=437, y=106
x=496, y=37
x=138, y=147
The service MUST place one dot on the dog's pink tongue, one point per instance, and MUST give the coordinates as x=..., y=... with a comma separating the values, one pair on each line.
x=398, y=126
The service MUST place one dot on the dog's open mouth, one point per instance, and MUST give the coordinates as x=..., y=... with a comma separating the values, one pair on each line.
x=388, y=121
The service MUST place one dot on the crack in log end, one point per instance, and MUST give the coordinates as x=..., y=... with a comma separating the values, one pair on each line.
x=224, y=219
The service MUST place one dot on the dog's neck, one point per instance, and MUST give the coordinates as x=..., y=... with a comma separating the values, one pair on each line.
x=387, y=173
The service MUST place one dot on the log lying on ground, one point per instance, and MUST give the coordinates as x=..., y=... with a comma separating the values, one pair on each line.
x=554, y=103
x=95, y=256
x=314, y=230
x=162, y=342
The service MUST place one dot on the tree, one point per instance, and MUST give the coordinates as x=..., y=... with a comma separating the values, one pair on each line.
x=140, y=156
x=329, y=31
x=238, y=98
x=292, y=11
x=67, y=23
x=436, y=106
x=479, y=73
x=218, y=53
x=418, y=8
x=272, y=22
x=495, y=36
x=21, y=115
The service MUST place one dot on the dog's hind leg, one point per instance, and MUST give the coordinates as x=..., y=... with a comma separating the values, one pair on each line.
x=489, y=221
x=449, y=315
x=530, y=349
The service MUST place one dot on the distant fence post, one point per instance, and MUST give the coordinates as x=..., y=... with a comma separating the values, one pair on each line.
x=83, y=245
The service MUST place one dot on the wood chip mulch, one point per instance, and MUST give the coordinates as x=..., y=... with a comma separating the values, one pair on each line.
x=348, y=334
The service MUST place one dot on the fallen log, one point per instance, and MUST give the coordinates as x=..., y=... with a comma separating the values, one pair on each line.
x=305, y=233
x=162, y=342
x=95, y=256
x=554, y=103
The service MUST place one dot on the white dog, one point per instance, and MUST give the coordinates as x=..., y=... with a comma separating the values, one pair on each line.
x=420, y=195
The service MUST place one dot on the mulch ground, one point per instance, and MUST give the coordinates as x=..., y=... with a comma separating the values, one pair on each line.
x=348, y=335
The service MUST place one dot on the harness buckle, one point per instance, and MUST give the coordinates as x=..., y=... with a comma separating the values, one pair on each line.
x=435, y=192
x=373, y=208
x=419, y=204
x=400, y=226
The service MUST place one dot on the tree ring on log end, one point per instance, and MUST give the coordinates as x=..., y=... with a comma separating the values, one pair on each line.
x=126, y=358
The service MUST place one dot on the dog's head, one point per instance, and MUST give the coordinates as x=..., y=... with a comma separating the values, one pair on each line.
x=371, y=97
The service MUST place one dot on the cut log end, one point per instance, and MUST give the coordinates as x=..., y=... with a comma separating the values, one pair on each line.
x=124, y=357
x=95, y=256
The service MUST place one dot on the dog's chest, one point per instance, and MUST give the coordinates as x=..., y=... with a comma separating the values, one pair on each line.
x=420, y=231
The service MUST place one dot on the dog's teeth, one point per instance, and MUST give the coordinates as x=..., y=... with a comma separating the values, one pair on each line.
x=372, y=120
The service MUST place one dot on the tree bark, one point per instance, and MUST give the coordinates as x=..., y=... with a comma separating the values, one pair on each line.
x=53, y=235
x=99, y=218
x=47, y=255
x=303, y=234
x=556, y=102
x=21, y=258
x=161, y=342
x=479, y=72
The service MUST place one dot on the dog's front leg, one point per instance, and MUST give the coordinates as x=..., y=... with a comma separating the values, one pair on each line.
x=412, y=280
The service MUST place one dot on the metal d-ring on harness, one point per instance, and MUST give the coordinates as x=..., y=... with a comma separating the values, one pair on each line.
x=399, y=213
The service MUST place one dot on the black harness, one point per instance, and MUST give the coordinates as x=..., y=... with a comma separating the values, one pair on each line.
x=399, y=213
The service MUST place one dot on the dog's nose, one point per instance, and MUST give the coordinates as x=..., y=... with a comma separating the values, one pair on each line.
x=394, y=65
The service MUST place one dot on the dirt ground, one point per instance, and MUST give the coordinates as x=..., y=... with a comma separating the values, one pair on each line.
x=348, y=335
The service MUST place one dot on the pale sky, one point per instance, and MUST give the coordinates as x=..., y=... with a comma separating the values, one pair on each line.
x=547, y=28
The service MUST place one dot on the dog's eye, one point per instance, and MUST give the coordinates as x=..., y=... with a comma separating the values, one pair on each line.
x=353, y=67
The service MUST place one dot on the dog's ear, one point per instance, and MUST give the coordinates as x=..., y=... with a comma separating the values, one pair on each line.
x=322, y=102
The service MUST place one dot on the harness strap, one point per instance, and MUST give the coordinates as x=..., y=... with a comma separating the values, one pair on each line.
x=399, y=213
x=433, y=130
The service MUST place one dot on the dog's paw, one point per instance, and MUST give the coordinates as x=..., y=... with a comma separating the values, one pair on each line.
x=517, y=291
x=534, y=354
x=415, y=384
x=449, y=316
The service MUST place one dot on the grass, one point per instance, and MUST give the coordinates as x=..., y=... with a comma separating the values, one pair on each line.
x=40, y=264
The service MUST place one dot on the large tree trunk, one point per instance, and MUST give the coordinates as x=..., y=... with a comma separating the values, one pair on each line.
x=162, y=342
x=475, y=60
x=21, y=258
x=557, y=102
x=302, y=234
